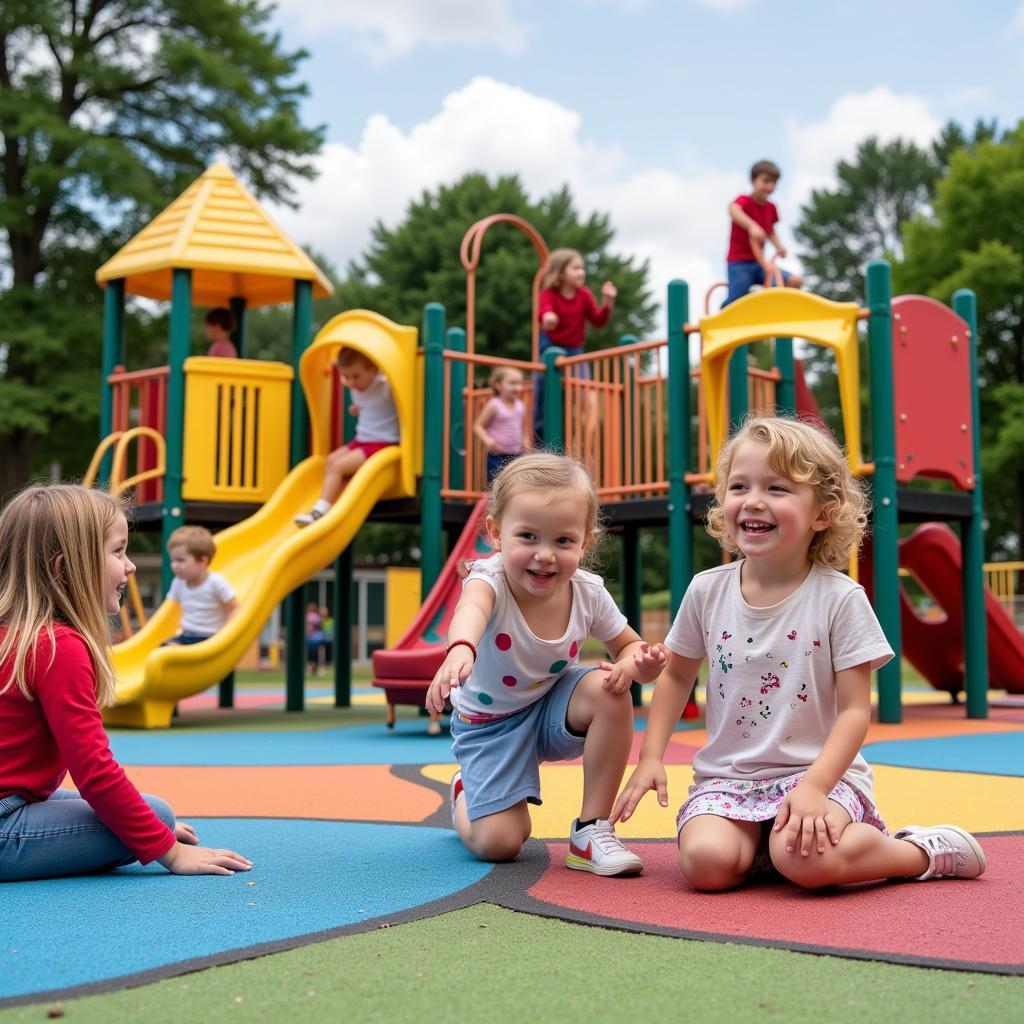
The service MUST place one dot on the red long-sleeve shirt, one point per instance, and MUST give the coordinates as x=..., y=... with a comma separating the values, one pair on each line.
x=61, y=731
x=573, y=315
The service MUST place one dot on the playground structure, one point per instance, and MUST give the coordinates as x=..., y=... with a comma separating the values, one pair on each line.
x=214, y=440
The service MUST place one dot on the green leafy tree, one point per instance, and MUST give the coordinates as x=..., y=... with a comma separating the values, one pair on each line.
x=418, y=262
x=972, y=239
x=108, y=108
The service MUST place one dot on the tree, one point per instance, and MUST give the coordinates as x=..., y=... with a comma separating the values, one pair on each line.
x=972, y=239
x=418, y=262
x=108, y=108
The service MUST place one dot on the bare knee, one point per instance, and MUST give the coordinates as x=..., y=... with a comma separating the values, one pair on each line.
x=815, y=871
x=496, y=848
x=712, y=866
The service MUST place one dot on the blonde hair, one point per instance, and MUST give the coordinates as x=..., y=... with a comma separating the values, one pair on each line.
x=196, y=540
x=52, y=571
x=555, y=475
x=805, y=454
x=498, y=374
x=558, y=260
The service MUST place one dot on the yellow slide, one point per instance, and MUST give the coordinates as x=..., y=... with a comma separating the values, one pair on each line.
x=267, y=556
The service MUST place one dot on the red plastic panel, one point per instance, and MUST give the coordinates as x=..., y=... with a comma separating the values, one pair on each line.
x=932, y=385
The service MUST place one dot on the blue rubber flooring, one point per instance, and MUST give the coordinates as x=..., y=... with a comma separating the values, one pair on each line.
x=407, y=743
x=308, y=876
x=998, y=753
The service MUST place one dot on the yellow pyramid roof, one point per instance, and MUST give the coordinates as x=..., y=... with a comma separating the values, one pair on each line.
x=216, y=229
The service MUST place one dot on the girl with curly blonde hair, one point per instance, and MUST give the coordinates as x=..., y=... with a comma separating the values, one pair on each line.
x=780, y=784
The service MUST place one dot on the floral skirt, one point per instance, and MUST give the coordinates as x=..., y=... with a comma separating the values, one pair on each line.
x=759, y=800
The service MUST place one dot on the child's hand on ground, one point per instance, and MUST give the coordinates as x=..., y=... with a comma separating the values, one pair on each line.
x=648, y=662
x=806, y=817
x=549, y=321
x=609, y=291
x=649, y=774
x=185, y=833
x=452, y=673
x=182, y=859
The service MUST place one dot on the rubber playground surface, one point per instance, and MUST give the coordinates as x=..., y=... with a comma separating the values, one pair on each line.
x=362, y=905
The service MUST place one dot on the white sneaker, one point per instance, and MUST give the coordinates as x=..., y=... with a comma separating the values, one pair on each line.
x=596, y=848
x=308, y=517
x=454, y=792
x=952, y=851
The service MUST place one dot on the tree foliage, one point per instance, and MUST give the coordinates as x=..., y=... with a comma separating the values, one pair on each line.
x=971, y=239
x=108, y=108
x=418, y=262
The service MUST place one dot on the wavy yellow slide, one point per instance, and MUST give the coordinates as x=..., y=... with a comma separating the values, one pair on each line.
x=264, y=558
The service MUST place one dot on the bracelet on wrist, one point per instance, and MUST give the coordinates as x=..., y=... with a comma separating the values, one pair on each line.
x=460, y=643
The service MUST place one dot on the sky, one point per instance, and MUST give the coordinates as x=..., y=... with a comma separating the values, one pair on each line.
x=652, y=111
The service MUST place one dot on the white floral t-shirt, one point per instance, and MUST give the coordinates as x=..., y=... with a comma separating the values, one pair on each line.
x=771, y=700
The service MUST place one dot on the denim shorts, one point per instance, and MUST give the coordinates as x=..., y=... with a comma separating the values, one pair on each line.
x=743, y=275
x=500, y=760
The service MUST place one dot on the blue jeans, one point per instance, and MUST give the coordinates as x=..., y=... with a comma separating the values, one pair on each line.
x=743, y=275
x=61, y=836
x=582, y=371
x=496, y=462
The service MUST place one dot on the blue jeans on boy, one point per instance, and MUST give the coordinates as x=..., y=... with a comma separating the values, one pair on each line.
x=743, y=275
x=61, y=836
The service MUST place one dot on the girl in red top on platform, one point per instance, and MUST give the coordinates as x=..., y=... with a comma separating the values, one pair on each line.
x=565, y=307
x=63, y=570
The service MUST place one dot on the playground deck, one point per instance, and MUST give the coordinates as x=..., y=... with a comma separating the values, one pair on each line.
x=362, y=904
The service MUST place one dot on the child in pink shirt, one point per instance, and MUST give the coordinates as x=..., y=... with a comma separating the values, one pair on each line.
x=501, y=425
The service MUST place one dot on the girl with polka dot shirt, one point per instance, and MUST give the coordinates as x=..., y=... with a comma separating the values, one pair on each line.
x=512, y=672
x=780, y=784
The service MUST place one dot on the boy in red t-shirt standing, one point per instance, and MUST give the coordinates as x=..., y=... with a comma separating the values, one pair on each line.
x=753, y=223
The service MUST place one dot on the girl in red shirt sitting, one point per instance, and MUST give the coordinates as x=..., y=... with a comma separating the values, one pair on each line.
x=63, y=570
x=564, y=308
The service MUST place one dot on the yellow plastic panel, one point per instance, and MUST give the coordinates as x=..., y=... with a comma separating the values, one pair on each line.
x=782, y=313
x=237, y=418
x=392, y=347
x=403, y=601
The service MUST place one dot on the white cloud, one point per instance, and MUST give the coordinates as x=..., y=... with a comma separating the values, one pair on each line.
x=1017, y=21
x=675, y=217
x=386, y=29
x=724, y=6
x=814, y=148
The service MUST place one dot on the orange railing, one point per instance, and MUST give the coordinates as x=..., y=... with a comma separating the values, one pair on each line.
x=140, y=400
x=466, y=452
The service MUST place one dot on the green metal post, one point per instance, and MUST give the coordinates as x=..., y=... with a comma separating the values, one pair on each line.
x=785, y=395
x=973, y=538
x=177, y=353
x=632, y=588
x=459, y=432
x=885, y=526
x=629, y=380
x=343, y=629
x=295, y=616
x=343, y=600
x=113, y=353
x=554, y=400
x=738, y=386
x=433, y=447
x=680, y=533
x=240, y=335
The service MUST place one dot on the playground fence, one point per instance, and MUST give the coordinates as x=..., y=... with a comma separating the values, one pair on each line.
x=139, y=399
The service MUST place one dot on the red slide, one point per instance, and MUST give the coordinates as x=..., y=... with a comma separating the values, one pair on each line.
x=935, y=646
x=405, y=671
